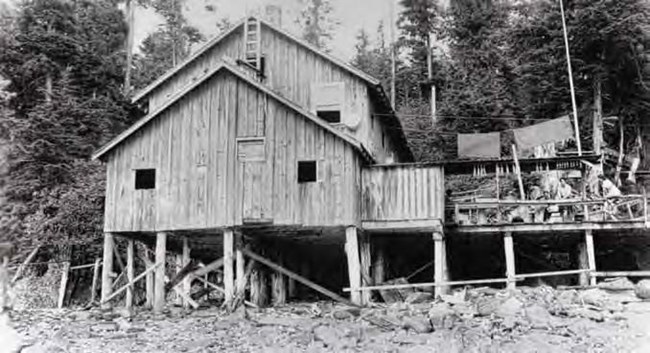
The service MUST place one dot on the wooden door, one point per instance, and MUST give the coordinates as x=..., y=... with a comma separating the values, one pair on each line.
x=256, y=180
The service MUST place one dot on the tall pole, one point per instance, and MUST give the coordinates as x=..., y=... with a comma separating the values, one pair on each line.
x=130, y=8
x=573, y=93
x=392, y=55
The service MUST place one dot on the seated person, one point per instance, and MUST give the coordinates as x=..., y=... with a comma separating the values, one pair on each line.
x=565, y=190
x=609, y=189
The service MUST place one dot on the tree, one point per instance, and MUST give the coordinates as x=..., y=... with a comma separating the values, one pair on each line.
x=317, y=23
x=607, y=44
x=168, y=45
x=64, y=64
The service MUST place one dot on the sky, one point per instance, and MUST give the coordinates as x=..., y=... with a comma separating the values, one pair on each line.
x=353, y=15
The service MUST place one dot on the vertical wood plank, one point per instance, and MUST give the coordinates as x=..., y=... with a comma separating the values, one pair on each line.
x=440, y=263
x=591, y=255
x=93, y=290
x=510, y=259
x=228, y=270
x=107, y=269
x=354, y=265
x=159, y=290
x=129, y=273
x=187, y=281
x=366, y=263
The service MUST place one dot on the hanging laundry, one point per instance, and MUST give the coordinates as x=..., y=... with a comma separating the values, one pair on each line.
x=555, y=130
x=486, y=145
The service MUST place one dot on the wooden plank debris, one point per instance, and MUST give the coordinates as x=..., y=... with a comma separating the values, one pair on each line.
x=93, y=289
x=64, y=283
x=432, y=284
x=295, y=276
x=135, y=280
x=22, y=266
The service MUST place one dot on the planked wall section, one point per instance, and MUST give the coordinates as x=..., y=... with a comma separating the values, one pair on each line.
x=293, y=70
x=202, y=183
x=404, y=192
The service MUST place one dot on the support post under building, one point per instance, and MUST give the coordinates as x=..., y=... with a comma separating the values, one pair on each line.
x=159, y=282
x=440, y=263
x=508, y=247
x=228, y=265
x=107, y=268
x=354, y=263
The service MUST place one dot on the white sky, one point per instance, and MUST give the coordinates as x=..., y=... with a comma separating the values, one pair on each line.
x=352, y=15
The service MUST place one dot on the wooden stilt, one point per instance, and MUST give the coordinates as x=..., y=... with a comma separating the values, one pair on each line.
x=240, y=265
x=129, y=274
x=107, y=268
x=159, y=283
x=379, y=263
x=64, y=283
x=440, y=263
x=365, y=260
x=259, y=285
x=354, y=263
x=93, y=288
x=187, y=281
x=279, y=285
x=591, y=256
x=297, y=277
x=178, y=259
x=510, y=259
x=228, y=270
x=583, y=263
x=291, y=284
x=149, y=280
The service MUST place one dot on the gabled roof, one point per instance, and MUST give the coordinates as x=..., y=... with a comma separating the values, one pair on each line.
x=235, y=71
x=216, y=39
x=375, y=88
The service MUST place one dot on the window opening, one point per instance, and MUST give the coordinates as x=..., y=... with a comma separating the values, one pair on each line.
x=306, y=171
x=145, y=179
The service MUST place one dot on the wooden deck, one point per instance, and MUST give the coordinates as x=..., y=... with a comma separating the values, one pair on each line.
x=547, y=227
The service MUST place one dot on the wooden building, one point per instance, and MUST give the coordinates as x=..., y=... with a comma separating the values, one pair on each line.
x=259, y=133
x=260, y=136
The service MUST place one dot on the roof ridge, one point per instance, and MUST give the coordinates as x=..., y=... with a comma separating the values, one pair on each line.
x=218, y=37
x=223, y=64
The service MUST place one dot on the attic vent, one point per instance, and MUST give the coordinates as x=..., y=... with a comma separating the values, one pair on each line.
x=331, y=116
x=145, y=179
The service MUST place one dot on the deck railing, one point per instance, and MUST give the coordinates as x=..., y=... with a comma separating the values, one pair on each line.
x=495, y=212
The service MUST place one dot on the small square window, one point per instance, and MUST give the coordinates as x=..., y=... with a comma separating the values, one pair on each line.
x=145, y=179
x=331, y=116
x=306, y=171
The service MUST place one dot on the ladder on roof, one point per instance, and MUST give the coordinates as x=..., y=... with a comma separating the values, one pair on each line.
x=252, y=46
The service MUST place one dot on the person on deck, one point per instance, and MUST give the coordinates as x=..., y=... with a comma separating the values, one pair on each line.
x=609, y=189
x=564, y=190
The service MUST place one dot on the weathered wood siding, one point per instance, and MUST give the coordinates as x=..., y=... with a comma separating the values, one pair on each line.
x=202, y=180
x=231, y=46
x=409, y=192
x=293, y=70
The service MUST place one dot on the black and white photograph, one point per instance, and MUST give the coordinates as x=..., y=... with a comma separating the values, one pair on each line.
x=324, y=176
